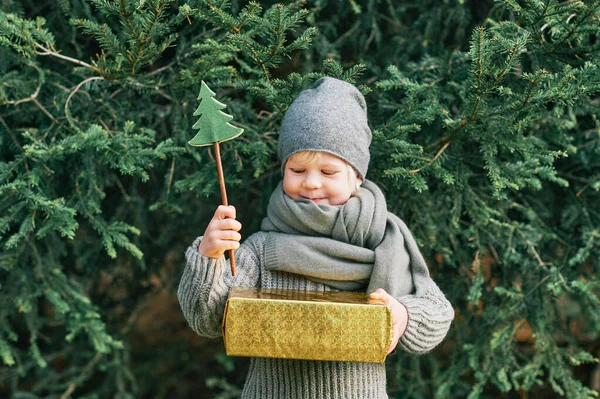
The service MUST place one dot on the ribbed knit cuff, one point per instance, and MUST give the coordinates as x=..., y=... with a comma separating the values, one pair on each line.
x=200, y=263
x=201, y=291
x=429, y=319
x=207, y=273
x=191, y=254
x=271, y=257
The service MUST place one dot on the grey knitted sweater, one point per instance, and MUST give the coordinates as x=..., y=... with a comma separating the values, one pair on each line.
x=202, y=295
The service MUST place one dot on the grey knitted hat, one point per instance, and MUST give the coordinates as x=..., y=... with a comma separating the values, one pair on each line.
x=330, y=117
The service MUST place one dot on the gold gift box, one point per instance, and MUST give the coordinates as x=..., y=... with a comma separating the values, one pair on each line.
x=313, y=325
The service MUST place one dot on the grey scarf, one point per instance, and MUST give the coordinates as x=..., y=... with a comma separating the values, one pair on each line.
x=355, y=246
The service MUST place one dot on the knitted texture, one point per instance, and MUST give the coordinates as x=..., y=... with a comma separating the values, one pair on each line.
x=330, y=117
x=203, y=293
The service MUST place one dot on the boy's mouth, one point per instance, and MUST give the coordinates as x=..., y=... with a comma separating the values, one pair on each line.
x=315, y=199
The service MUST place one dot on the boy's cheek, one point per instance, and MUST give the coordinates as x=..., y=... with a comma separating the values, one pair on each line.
x=289, y=186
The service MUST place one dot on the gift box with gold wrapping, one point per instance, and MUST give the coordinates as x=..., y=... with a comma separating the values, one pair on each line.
x=313, y=325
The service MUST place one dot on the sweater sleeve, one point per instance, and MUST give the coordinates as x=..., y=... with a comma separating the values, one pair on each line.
x=205, y=284
x=429, y=319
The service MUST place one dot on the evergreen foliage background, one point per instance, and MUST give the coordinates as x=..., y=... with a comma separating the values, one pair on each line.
x=486, y=142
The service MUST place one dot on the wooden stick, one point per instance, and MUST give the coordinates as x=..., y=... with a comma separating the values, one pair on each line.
x=223, y=196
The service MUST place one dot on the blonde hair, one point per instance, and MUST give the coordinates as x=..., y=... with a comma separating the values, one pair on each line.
x=310, y=156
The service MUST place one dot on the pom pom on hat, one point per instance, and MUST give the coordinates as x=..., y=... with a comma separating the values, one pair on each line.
x=331, y=117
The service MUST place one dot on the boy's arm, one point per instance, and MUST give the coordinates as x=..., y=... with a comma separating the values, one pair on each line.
x=429, y=319
x=205, y=284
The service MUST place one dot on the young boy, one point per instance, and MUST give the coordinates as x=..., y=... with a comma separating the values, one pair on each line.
x=327, y=228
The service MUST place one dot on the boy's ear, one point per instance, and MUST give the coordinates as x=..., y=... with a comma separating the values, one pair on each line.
x=358, y=183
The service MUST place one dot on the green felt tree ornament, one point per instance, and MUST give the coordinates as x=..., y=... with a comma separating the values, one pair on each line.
x=214, y=127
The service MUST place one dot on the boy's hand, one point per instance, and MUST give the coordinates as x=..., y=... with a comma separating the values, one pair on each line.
x=221, y=233
x=399, y=315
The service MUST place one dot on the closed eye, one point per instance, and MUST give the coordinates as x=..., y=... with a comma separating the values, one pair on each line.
x=329, y=172
x=297, y=170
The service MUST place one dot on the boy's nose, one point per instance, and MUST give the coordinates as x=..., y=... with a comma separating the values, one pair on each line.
x=312, y=182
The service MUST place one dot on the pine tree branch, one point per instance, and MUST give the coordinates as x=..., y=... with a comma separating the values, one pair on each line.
x=371, y=36
x=171, y=177
x=413, y=171
x=238, y=28
x=44, y=110
x=122, y=188
x=573, y=177
x=480, y=31
x=161, y=69
x=24, y=100
x=563, y=241
x=511, y=56
x=578, y=194
x=105, y=126
x=591, y=142
x=63, y=57
x=75, y=91
x=475, y=108
x=543, y=15
x=277, y=42
x=137, y=35
x=530, y=89
x=218, y=11
x=33, y=97
x=82, y=376
x=143, y=41
x=535, y=253
x=262, y=65
x=11, y=134
x=155, y=88
x=479, y=89
x=450, y=136
x=572, y=31
x=346, y=34
x=127, y=16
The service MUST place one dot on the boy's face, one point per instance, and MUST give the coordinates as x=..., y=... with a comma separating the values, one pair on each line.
x=324, y=181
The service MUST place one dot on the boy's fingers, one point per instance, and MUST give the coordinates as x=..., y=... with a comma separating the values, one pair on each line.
x=396, y=308
x=221, y=234
x=225, y=212
x=228, y=244
x=228, y=224
x=230, y=235
x=381, y=294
